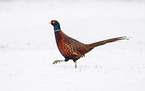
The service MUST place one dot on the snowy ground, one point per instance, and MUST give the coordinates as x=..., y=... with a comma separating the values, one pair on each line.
x=27, y=46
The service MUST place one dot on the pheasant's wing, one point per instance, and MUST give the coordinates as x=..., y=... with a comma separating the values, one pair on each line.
x=71, y=48
x=73, y=51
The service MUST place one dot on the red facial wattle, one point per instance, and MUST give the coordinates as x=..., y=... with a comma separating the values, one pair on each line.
x=53, y=22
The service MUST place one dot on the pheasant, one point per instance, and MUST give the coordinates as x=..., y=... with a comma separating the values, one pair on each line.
x=73, y=49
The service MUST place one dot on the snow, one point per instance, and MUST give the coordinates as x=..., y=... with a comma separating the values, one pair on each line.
x=28, y=48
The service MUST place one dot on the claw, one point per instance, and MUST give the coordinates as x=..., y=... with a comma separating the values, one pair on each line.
x=56, y=61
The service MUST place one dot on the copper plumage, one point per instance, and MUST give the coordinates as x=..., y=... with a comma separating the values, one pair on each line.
x=73, y=49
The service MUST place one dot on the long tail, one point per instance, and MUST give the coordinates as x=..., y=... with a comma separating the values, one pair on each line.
x=107, y=41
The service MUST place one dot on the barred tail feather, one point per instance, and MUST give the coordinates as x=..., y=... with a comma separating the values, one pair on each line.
x=107, y=41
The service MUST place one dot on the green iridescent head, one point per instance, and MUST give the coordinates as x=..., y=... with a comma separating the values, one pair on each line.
x=56, y=25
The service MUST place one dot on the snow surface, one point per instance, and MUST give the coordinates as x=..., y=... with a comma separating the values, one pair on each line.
x=28, y=48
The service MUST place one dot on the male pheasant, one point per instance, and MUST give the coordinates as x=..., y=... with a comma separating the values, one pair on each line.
x=73, y=49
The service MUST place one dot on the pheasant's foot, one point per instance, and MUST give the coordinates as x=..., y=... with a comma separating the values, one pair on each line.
x=56, y=61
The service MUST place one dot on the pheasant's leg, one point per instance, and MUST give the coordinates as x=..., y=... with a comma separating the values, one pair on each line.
x=75, y=64
x=56, y=61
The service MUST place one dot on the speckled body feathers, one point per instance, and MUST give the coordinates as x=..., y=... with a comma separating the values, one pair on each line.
x=69, y=47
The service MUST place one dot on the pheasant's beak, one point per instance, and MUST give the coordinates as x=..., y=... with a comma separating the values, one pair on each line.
x=49, y=22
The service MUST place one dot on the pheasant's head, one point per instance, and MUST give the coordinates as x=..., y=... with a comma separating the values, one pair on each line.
x=56, y=25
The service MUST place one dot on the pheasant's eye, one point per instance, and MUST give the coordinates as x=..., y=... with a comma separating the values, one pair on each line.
x=53, y=22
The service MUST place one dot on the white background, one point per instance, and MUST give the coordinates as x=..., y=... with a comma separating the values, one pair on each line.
x=28, y=48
